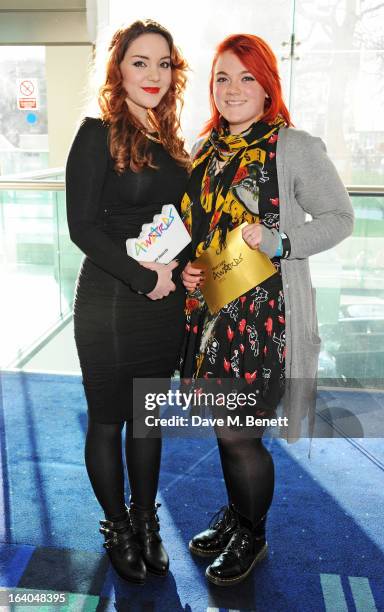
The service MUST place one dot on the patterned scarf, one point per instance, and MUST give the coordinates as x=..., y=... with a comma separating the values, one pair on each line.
x=226, y=172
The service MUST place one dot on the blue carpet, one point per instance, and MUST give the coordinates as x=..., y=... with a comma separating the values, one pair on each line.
x=325, y=529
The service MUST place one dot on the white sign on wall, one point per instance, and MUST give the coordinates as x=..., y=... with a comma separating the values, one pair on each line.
x=27, y=94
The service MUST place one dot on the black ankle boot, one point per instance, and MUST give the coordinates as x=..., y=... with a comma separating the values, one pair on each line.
x=246, y=548
x=123, y=549
x=213, y=540
x=146, y=525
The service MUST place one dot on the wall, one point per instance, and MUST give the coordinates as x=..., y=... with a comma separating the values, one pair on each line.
x=67, y=86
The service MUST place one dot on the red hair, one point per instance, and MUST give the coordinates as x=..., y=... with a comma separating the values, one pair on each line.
x=258, y=58
x=127, y=144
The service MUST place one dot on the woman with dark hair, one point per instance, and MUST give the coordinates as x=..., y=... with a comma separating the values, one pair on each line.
x=129, y=320
x=252, y=167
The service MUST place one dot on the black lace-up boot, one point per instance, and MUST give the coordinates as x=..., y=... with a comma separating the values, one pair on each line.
x=146, y=525
x=212, y=541
x=245, y=548
x=123, y=548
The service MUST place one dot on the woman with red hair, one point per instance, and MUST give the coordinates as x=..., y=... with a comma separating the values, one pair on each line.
x=252, y=167
x=129, y=319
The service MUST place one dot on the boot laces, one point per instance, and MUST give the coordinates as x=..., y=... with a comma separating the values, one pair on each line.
x=221, y=518
x=240, y=541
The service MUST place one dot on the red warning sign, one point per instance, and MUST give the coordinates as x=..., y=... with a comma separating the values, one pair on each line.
x=26, y=104
x=26, y=88
x=27, y=94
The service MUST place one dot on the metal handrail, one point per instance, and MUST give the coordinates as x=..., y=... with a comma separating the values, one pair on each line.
x=32, y=185
x=32, y=175
x=366, y=190
x=59, y=185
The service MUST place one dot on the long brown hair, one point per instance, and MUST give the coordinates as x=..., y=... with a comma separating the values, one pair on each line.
x=127, y=144
x=258, y=57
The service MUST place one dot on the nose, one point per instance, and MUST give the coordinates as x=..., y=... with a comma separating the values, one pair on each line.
x=233, y=88
x=154, y=74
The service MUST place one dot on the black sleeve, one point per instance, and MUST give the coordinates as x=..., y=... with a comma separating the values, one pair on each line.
x=85, y=175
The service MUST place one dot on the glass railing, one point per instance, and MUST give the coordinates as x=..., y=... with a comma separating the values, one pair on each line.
x=40, y=266
x=349, y=281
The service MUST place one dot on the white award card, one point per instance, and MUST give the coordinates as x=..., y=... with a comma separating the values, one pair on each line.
x=162, y=240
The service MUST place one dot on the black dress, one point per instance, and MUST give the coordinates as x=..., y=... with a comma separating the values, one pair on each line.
x=119, y=332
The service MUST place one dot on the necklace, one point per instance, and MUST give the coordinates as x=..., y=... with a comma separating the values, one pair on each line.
x=151, y=137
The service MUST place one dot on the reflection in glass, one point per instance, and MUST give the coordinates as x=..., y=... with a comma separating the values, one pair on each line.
x=350, y=299
x=338, y=83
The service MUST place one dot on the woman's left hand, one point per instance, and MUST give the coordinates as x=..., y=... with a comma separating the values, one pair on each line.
x=252, y=235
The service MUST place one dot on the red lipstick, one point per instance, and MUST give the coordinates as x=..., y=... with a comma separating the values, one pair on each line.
x=151, y=90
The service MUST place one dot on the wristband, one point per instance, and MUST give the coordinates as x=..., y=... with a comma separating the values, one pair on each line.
x=286, y=246
x=279, y=250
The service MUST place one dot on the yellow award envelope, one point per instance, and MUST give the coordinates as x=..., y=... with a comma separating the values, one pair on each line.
x=233, y=272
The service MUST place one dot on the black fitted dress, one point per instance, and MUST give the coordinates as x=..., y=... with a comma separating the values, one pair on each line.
x=120, y=333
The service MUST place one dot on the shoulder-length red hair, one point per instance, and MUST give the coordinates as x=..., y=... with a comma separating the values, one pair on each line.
x=257, y=56
x=127, y=144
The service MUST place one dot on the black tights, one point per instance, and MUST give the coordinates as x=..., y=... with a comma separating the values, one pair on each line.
x=248, y=473
x=104, y=463
x=247, y=467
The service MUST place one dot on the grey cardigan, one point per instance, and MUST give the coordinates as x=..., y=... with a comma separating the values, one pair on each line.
x=308, y=183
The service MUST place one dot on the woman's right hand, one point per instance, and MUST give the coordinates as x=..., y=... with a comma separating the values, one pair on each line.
x=192, y=277
x=164, y=284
